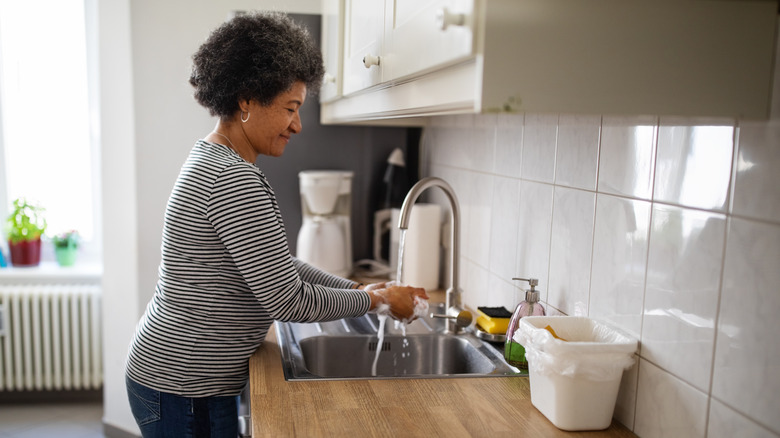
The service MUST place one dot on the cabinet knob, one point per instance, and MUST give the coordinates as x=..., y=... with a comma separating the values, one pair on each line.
x=446, y=18
x=370, y=60
x=328, y=79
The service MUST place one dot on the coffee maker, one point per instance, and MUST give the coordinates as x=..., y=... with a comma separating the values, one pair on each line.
x=325, y=238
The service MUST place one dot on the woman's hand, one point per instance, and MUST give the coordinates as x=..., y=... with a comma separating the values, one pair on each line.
x=382, y=285
x=403, y=303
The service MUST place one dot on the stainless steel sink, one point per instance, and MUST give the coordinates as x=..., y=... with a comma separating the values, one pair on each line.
x=346, y=349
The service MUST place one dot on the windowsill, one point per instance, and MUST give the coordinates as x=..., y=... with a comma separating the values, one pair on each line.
x=51, y=272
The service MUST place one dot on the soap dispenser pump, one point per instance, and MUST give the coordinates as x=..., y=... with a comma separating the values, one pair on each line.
x=514, y=353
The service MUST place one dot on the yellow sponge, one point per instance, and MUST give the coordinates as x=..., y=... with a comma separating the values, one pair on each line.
x=493, y=320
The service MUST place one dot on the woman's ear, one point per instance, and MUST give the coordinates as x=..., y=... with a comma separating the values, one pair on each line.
x=244, y=105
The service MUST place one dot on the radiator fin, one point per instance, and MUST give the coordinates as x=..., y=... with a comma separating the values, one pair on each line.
x=50, y=337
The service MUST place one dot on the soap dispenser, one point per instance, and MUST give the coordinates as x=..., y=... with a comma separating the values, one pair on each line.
x=514, y=353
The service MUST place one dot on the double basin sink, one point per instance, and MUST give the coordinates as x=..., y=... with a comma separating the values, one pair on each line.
x=347, y=349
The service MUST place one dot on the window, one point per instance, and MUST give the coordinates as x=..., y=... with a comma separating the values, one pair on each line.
x=46, y=143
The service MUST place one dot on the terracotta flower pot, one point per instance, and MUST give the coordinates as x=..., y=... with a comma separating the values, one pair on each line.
x=25, y=253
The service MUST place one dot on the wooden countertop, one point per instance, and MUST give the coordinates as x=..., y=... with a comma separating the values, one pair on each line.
x=467, y=407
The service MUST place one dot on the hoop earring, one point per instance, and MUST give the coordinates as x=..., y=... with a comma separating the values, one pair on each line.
x=247, y=117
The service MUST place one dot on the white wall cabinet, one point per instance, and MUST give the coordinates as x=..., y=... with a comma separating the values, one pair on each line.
x=660, y=57
x=421, y=35
x=332, y=38
x=363, y=36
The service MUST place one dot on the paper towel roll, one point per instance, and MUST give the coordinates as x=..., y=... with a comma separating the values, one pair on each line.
x=422, y=246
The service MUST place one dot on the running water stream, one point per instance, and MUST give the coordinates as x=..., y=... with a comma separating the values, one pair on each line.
x=383, y=310
x=400, y=270
x=380, y=333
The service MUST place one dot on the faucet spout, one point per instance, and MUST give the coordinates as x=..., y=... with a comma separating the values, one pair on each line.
x=457, y=318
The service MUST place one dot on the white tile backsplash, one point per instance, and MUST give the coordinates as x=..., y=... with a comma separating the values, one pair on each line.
x=503, y=227
x=682, y=289
x=635, y=221
x=475, y=282
x=479, y=148
x=728, y=423
x=540, y=135
x=747, y=353
x=693, y=167
x=533, y=234
x=617, y=284
x=668, y=407
x=625, y=406
x=756, y=188
x=476, y=204
x=509, y=145
x=576, y=162
x=627, y=156
x=570, y=250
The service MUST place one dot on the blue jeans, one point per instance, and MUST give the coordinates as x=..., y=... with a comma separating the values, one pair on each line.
x=160, y=414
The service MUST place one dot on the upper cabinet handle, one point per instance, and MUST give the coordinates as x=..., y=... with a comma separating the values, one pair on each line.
x=446, y=18
x=370, y=60
x=328, y=79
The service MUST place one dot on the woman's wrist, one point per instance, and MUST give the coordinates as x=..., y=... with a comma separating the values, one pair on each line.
x=375, y=300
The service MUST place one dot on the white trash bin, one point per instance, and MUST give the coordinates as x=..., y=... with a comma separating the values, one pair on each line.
x=575, y=381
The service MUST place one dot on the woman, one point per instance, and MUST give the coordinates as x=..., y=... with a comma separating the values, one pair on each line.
x=226, y=273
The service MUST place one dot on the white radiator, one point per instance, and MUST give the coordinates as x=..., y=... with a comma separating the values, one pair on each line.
x=50, y=337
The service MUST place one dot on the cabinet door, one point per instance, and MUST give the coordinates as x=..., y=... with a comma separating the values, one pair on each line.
x=363, y=33
x=332, y=13
x=424, y=34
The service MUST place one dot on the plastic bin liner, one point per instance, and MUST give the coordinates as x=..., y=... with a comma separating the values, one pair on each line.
x=591, y=350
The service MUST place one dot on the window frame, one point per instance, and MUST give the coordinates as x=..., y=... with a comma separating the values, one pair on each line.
x=90, y=251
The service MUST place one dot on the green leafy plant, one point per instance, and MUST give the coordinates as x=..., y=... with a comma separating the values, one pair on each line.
x=26, y=222
x=68, y=239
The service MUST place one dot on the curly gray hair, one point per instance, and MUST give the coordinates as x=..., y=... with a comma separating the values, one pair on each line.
x=254, y=56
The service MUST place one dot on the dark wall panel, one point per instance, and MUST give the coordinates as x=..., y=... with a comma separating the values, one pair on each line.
x=363, y=150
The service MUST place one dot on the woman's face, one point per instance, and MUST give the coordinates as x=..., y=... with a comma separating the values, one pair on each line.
x=269, y=128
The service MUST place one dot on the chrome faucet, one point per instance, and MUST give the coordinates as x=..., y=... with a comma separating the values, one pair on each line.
x=457, y=317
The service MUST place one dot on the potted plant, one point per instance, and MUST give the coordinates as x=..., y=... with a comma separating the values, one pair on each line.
x=65, y=247
x=24, y=228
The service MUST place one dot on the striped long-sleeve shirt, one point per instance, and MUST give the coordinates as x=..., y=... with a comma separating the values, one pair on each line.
x=225, y=275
